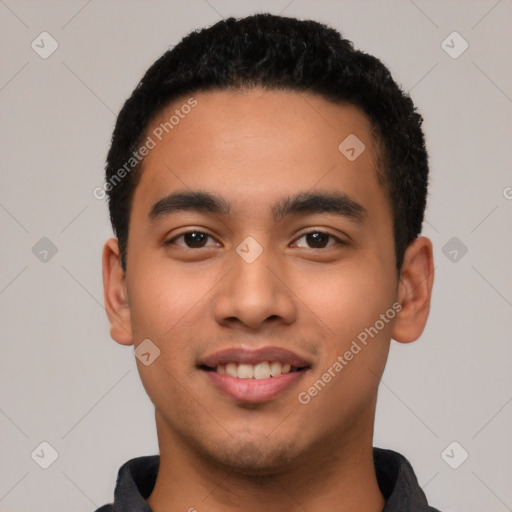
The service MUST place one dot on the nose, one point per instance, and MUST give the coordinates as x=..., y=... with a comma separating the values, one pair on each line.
x=255, y=295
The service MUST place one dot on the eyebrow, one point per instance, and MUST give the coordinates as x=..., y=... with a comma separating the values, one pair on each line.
x=303, y=203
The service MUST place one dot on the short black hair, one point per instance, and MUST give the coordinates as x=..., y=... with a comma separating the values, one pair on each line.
x=278, y=53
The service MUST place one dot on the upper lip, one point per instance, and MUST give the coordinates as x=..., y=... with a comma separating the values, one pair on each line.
x=255, y=356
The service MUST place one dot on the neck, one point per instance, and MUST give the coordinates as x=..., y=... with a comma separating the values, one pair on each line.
x=338, y=477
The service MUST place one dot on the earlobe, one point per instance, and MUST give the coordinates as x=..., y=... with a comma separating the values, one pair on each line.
x=415, y=291
x=115, y=294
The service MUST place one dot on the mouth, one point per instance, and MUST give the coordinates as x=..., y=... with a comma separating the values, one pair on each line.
x=254, y=376
x=260, y=371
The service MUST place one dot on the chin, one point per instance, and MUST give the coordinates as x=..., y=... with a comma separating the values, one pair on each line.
x=253, y=458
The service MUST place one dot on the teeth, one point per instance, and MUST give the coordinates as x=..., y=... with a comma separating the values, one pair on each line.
x=263, y=370
x=245, y=371
x=275, y=369
x=231, y=369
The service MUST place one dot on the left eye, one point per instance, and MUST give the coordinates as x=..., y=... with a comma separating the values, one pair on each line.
x=192, y=239
x=317, y=240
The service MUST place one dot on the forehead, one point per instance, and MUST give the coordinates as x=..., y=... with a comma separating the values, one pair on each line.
x=257, y=146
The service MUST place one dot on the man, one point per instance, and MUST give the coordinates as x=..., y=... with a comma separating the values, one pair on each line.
x=267, y=186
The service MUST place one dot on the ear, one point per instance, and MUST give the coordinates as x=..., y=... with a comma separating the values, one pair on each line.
x=414, y=291
x=115, y=294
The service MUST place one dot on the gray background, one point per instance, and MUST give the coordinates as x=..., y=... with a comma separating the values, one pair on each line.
x=64, y=381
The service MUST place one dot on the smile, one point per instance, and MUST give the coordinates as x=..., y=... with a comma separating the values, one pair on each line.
x=254, y=376
x=264, y=370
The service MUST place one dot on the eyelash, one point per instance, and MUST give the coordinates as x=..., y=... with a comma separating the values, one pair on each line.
x=316, y=231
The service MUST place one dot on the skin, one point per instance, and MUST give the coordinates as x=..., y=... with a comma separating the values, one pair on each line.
x=253, y=148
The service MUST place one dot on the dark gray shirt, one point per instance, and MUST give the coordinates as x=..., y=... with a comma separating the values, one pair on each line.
x=396, y=478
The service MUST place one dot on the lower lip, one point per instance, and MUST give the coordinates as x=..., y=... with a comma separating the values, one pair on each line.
x=254, y=390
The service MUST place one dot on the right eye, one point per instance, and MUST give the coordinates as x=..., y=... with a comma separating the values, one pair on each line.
x=192, y=240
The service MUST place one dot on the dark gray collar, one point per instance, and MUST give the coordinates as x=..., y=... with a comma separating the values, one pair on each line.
x=396, y=478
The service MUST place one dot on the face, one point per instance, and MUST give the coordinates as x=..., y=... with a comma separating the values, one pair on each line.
x=259, y=293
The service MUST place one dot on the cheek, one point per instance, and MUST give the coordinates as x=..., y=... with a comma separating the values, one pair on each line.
x=164, y=297
x=349, y=304
x=164, y=302
x=347, y=299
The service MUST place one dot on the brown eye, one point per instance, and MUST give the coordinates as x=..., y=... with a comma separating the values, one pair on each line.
x=318, y=240
x=195, y=239
x=191, y=240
